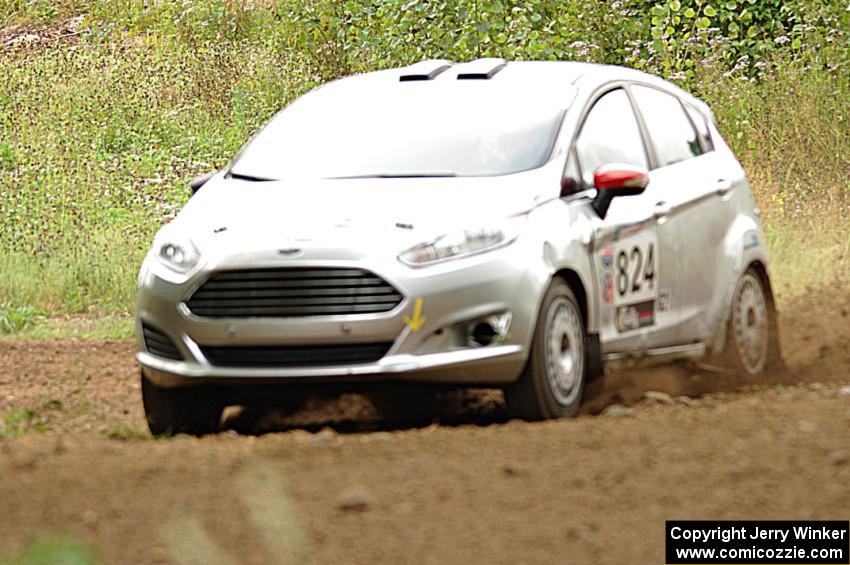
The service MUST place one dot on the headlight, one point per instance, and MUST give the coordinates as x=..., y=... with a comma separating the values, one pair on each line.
x=462, y=243
x=177, y=253
x=178, y=256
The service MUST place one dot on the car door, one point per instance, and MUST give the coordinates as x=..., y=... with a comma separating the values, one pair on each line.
x=634, y=255
x=692, y=193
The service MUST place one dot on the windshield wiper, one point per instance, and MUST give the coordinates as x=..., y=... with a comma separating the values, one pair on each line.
x=397, y=176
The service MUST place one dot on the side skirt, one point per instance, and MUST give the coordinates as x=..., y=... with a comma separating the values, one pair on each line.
x=655, y=356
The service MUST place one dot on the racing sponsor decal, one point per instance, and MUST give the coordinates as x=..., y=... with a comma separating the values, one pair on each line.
x=635, y=316
x=608, y=288
x=664, y=298
x=606, y=257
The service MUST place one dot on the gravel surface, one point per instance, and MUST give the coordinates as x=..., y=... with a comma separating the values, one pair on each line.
x=334, y=484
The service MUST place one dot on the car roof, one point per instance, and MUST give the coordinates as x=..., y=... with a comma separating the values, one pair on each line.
x=505, y=78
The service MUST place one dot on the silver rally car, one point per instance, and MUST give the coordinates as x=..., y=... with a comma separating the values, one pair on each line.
x=489, y=223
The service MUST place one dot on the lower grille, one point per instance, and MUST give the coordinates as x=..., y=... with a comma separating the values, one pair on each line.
x=295, y=355
x=159, y=344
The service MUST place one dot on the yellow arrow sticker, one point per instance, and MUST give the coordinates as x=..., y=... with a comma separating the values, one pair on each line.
x=418, y=320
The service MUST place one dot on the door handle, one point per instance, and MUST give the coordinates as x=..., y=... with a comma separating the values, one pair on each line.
x=661, y=210
x=723, y=187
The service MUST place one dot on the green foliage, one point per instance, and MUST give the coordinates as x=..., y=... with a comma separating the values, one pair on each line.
x=53, y=550
x=191, y=21
x=792, y=128
x=740, y=32
x=19, y=421
x=13, y=11
x=124, y=432
x=106, y=326
x=7, y=157
x=16, y=317
x=345, y=37
x=99, y=133
x=670, y=37
x=106, y=133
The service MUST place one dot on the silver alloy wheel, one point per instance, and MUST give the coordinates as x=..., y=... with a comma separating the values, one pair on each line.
x=750, y=324
x=564, y=350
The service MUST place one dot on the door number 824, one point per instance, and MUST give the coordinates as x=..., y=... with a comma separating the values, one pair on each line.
x=635, y=270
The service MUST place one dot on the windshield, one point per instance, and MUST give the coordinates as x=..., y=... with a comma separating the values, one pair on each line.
x=403, y=131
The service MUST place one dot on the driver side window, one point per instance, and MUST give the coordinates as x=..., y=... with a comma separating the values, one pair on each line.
x=610, y=134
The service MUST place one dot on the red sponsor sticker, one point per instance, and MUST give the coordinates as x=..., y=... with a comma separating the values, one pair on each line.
x=635, y=316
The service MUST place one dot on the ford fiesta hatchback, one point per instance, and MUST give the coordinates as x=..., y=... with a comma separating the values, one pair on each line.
x=488, y=224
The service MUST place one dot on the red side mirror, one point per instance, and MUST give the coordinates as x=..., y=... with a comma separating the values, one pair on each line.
x=617, y=179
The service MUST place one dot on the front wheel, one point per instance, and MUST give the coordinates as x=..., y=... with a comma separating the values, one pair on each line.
x=552, y=383
x=190, y=410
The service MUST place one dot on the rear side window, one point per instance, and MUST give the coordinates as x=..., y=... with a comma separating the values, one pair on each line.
x=701, y=124
x=669, y=127
x=610, y=134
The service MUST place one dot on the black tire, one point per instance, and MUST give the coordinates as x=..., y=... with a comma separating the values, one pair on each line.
x=190, y=410
x=552, y=384
x=752, y=340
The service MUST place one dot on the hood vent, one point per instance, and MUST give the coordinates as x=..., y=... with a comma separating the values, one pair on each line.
x=424, y=70
x=480, y=69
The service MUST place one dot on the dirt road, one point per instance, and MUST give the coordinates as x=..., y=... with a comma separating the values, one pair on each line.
x=472, y=489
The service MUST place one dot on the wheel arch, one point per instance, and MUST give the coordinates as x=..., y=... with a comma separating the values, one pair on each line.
x=775, y=361
x=594, y=349
x=761, y=270
x=573, y=280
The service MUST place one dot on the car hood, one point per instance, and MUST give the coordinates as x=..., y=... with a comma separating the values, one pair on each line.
x=236, y=214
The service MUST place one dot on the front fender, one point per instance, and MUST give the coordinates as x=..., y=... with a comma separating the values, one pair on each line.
x=564, y=231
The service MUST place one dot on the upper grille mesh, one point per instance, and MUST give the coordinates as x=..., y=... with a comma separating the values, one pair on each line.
x=293, y=291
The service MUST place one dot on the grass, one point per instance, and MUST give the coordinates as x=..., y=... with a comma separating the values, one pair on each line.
x=124, y=432
x=791, y=131
x=809, y=254
x=16, y=318
x=52, y=550
x=100, y=326
x=20, y=421
x=97, y=142
x=102, y=125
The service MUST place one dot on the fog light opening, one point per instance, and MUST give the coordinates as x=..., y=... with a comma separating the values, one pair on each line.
x=482, y=334
x=489, y=331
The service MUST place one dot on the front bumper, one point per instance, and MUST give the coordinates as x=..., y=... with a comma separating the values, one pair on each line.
x=453, y=295
x=473, y=366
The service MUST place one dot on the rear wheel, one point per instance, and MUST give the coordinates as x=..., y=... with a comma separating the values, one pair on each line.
x=751, y=341
x=552, y=383
x=190, y=410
